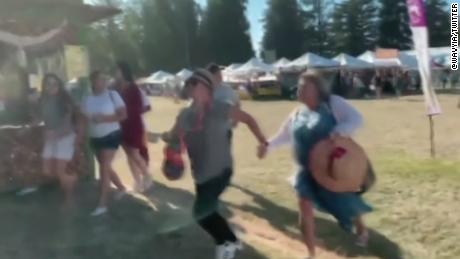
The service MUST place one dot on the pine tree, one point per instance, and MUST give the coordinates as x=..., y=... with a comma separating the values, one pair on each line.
x=394, y=30
x=115, y=39
x=353, y=26
x=169, y=34
x=438, y=23
x=224, y=32
x=284, y=28
x=317, y=25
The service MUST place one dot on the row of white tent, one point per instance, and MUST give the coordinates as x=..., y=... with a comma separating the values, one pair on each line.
x=164, y=78
x=368, y=60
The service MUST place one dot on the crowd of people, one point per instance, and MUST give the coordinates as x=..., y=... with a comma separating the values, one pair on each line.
x=392, y=82
x=112, y=118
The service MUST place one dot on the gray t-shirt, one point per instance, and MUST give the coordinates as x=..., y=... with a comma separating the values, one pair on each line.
x=56, y=114
x=225, y=93
x=208, y=146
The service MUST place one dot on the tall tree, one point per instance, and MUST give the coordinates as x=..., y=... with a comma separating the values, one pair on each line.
x=317, y=24
x=394, y=31
x=169, y=33
x=354, y=25
x=224, y=32
x=115, y=39
x=284, y=28
x=438, y=23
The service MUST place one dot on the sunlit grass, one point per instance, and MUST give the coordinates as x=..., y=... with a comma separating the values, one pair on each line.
x=416, y=199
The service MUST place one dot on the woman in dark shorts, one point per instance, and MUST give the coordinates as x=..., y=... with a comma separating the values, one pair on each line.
x=133, y=131
x=203, y=126
x=105, y=110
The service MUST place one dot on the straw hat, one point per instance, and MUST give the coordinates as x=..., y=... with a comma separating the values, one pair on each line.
x=339, y=165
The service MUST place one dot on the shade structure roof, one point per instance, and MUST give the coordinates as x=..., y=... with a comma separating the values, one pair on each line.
x=33, y=17
x=404, y=60
x=367, y=56
x=281, y=62
x=311, y=60
x=184, y=74
x=38, y=25
x=348, y=61
x=254, y=65
x=231, y=68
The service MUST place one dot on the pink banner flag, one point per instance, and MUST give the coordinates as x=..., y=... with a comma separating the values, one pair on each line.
x=419, y=26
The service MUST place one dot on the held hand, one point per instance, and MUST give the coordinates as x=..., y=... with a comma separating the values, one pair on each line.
x=153, y=137
x=262, y=151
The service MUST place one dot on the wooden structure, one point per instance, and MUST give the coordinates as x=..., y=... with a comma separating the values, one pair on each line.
x=32, y=31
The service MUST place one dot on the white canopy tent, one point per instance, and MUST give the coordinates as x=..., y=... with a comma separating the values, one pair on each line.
x=253, y=66
x=281, y=63
x=184, y=74
x=232, y=67
x=404, y=60
x=227, y=73
x=310, y=60
x=367, y=56
x=160, y=78
x=348, y=61
x=439, y=55
x=435, y=51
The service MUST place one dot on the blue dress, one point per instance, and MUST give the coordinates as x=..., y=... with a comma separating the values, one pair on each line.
x=310, y=127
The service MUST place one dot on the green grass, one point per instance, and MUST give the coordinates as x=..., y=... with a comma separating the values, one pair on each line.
x=416, y=200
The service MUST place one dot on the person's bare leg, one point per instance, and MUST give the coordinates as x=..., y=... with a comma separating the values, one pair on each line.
x=143, y=167
x=67, y=181
x=135, y=171
x=361, y=231
x=307, y=225
x=106, y=158
x=116, y=180
x=139, y=161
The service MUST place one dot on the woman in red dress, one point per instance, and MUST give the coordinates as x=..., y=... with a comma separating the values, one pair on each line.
x=133, y=130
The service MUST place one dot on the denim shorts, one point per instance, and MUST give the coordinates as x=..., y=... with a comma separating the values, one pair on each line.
x=110, y=141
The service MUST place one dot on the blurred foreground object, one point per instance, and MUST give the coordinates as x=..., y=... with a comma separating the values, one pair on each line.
x=341, y=165
x=173, y=163
x=21, y=159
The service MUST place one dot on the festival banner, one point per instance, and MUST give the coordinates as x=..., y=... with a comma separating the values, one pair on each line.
x=419, y=27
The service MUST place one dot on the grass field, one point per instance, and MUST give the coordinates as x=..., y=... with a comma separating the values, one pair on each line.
x=417, y=200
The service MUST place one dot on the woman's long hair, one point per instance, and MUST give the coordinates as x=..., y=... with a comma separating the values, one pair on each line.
x=65, y=100
x=126, y=72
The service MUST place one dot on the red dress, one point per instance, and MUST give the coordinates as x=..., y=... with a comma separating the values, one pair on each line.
x=133, y=130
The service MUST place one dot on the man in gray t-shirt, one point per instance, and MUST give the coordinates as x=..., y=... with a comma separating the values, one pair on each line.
x=223, y=92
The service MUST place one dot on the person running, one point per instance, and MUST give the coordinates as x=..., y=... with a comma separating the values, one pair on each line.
x=59, y=114
x=320, y=116
x=223, y=92
x=105, y=110
x=133, y=130
x=203, y=127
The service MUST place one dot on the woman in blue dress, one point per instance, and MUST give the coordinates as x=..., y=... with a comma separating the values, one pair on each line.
x=320, y=116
